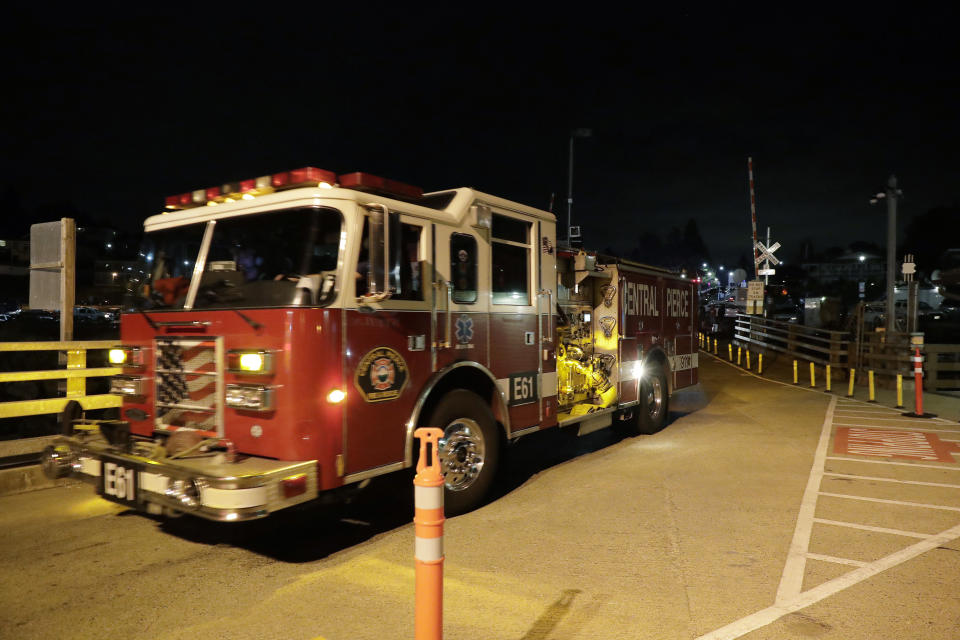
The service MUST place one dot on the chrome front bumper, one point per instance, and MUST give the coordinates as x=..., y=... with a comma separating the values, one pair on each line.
x=207, y=486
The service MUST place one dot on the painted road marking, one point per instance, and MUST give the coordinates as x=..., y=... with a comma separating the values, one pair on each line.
x=835, y=560
x=866, y=527
x=925, y=484
x=894, y=427
x=812, y=596
x=899, y=464
x=792, y=579
x=942, y=507
x=886, y=443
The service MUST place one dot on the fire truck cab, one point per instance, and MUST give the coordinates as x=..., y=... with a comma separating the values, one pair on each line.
x=285, y=336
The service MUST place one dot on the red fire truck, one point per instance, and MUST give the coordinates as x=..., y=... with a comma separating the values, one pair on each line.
x=284, y=336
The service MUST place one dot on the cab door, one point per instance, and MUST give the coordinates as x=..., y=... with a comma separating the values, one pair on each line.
x=386, y=352
x=461, y=309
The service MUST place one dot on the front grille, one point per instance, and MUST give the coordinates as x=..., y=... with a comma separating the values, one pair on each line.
x=189, y=384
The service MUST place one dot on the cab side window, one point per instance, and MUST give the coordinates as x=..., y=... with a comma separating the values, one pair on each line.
x=410, y=281
x=463, y=268
x=510, y=264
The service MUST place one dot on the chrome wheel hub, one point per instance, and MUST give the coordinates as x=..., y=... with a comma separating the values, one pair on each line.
x=461, y=454
x=654, y=398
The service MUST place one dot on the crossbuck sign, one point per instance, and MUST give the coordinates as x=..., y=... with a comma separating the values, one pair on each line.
x=765, y=255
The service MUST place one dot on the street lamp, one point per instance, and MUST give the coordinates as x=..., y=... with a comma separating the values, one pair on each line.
x=576, y=133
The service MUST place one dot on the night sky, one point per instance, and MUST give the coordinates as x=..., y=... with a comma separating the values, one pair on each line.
x=111, y=112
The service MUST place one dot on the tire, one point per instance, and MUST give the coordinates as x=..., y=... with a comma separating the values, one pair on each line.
x=651, y=413
x=72, y=411
x=469, y=449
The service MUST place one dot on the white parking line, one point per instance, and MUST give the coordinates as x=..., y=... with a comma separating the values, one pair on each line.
x=899, y=464
x=852, y=563
x=792, y=579
x=925, y=484
x=884, y=501
x=764, y=617
x=866, y=527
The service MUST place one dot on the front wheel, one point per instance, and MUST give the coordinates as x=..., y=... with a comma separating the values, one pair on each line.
x=469, y=449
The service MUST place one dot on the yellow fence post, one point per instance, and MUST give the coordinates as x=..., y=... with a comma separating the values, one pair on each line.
x=899, y=391
x=739, y=350
x=796, y=380
x=873, y=390
x=730, y=352
x=853, y=377
x=714, y=346
x=828, y=378
x=760, y=365
x=813, y=377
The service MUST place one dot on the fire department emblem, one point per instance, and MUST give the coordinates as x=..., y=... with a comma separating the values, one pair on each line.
x=381, y=375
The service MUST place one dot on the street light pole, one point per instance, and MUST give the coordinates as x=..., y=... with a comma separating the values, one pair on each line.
x=576, y=133
x=892, y=194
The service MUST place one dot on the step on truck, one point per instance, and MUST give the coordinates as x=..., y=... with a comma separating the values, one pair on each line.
x=283, y=337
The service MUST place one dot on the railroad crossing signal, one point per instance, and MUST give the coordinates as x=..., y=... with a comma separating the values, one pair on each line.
x=765, y=254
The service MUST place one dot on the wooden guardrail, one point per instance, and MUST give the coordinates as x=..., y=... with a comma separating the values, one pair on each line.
x=822, y=346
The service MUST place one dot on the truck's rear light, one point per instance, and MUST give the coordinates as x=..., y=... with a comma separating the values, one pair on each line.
x=254, y=362
x=294, y=485
x=249, y=397
x=126, y=385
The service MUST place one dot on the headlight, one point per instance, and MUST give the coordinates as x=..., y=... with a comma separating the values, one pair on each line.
x=126, y=385
x=251, y=361
x=126, y=356
x=251, y=397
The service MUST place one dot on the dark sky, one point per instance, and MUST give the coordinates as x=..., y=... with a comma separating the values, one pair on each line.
x=113, y=111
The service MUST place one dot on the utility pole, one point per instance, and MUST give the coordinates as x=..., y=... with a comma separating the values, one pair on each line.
x=892, y=194
x=576, y=133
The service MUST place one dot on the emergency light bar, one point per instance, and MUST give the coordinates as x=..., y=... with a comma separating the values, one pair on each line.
x=305, y=177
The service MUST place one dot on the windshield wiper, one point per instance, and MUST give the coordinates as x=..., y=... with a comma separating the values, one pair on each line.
x=250, y=321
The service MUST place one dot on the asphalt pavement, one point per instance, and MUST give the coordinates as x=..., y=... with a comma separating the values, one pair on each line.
x=740, y=519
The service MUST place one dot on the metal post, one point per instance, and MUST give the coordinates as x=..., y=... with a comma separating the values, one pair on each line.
x=795, y=379
x=739, y=350
x=872, y=389
x=760, y=365
x=730, y=352
x=829, y=379
x=570, y=191
x=813, y=376
x=853, y=378
x=912, y=306
x=748, y=359
x=428, y=529
x=753, y=218
x=892, y=194
x=68, y=252
x=899, y=391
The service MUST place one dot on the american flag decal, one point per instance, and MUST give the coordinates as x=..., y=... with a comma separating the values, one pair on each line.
x=187, y=383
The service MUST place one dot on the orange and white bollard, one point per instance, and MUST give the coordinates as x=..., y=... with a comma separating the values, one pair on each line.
x=428, y=527
x=918, y=387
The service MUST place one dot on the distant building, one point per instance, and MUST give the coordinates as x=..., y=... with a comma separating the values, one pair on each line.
x=851, y=267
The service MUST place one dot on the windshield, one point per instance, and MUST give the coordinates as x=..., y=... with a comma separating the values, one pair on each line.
x=263, y=260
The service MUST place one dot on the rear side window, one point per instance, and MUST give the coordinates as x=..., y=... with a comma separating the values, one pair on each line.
x=510, y=260
x=463, y=268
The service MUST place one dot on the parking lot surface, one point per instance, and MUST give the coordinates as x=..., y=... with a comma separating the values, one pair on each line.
x=762, y=511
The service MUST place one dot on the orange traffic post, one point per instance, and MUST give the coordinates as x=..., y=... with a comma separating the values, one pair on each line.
x=428, y=527
x=918, y=387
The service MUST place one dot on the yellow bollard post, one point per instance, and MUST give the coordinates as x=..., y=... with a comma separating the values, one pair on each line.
x=899, y=391
x=828, y=379
x=739, y=349
x=714, y=346
x=760, y=365
x=730, y=352
x=796, y=380
x=853, y=377
x=748, y=359
x=428, y=529
x=813, y=377
x=873, y=392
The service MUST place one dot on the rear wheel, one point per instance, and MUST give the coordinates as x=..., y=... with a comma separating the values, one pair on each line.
x=469, y=449
x=650, y=414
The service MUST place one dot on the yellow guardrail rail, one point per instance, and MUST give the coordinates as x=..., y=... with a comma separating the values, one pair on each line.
x=75, y=374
